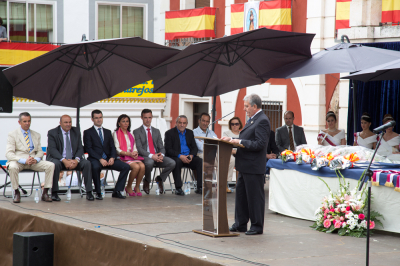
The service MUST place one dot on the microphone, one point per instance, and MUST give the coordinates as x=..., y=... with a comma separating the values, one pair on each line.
x=385, y=126
x=216, y=121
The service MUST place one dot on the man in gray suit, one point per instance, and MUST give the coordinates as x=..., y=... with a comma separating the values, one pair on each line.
x=289, y=136
x=65, y=150
x=150, y=146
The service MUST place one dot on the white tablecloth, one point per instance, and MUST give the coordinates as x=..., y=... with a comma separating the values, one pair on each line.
x=299, y=195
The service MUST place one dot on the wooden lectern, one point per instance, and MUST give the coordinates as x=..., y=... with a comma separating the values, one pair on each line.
x=216, y=157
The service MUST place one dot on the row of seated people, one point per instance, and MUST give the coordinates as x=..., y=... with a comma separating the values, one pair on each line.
x=134, y=154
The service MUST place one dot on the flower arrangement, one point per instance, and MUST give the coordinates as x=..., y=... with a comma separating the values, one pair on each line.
x=345, y=211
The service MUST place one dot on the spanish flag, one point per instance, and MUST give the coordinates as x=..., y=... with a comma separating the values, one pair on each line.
x=342, y=14
x=15, y=53
x=390, y=11
x=276, y=15
x=196, y=23
x=237, y=18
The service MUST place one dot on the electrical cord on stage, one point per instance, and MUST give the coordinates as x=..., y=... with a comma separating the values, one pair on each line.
x=158, y=237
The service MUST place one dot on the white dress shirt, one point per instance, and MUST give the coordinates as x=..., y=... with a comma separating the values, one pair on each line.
x=147, y=138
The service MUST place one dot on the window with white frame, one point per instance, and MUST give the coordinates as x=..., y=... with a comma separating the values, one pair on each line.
x=31, y=21
x=120, y=20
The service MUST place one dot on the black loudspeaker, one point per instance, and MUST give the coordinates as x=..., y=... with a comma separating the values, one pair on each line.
x=33, y=248
x=6, y=93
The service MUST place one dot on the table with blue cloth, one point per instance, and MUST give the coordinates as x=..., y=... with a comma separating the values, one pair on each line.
x=295, y=190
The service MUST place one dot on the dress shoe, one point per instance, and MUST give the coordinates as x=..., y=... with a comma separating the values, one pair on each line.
x=45, y=196
x=199, y=191
x=55, y=197
x=117, y=194
x=160, y=184
x=234, y=229
x=253, y=232
x=17, y=196
x=99, y=196
x=89, y=196
x=146, y=186
x=179, y=192
x=133, y=194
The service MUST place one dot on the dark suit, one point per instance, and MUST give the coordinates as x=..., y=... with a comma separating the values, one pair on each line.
x=173, y=149
x=272, y=148
x=250, y=162
x=282, y=137
x=95, y=149
x=55, y=148
x=141, y=144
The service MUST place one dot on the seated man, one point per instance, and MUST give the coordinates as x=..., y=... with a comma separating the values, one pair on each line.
x=272, y=149
x=150, y=147
x=181, y=147
x=24, y=151
x=289, y=136
x=203, y=131
x=99, y=144
x=65, y=150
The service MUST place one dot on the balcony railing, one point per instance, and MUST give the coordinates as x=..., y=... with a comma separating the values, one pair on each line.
x=184, y=42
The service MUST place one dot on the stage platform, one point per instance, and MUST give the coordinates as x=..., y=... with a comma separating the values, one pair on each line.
x=157, y=230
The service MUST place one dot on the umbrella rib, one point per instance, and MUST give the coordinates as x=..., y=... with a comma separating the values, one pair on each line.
x=219, y=46
x=105, y=86
x=251, y=67
x=34, y=73
x=205, y=88
x=63, y=79
x=146, y=66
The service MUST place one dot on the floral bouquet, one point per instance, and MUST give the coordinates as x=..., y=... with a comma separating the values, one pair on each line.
x=287, y=155
x=345, y=211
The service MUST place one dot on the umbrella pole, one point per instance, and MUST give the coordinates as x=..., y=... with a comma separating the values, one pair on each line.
x=214, y=110
x=77, y=118
x=354, y=107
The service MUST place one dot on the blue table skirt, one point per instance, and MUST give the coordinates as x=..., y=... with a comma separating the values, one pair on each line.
x=353, y=173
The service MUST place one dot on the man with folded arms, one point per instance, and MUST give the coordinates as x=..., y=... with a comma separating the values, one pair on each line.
x=181, y=147
x=150, y=146
x=65, y=150
x=99, y=144
x=24, y=151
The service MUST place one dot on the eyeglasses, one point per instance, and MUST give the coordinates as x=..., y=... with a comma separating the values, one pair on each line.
x=235, y=124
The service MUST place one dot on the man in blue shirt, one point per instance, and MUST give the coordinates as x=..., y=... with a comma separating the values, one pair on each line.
x=203, y=131
x=181, y=147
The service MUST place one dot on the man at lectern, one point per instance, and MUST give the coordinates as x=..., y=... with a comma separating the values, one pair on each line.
x=250, y=162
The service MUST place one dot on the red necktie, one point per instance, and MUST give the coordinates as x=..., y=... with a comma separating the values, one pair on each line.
x=150, y=141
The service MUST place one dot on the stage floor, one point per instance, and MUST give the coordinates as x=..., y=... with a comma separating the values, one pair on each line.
x=167, y=221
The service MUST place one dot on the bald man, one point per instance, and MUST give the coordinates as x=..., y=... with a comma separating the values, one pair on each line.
x=65, y=150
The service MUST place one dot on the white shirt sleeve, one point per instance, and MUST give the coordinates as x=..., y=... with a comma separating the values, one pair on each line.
x=116, y=142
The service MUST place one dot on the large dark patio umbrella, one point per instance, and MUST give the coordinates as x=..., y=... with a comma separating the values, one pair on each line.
x=75, y=75
x=225, y=64
x=340, y=58
x=387, y=71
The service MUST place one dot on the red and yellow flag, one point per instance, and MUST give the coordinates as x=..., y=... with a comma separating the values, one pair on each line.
x=342, y=14
x=237, y=18
x=390, y=10
x=276, y=15
x=196, y=23
x=16, y=53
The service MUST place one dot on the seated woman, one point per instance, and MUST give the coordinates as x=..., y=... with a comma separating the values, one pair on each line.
x=389, y=146
x=235, y=125
x=365, y=138
x=126, y=149
x=331, y=136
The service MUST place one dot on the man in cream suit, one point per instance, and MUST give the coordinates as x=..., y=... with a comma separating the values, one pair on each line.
x=289, y=136
x=150, y=146
x=24, y=151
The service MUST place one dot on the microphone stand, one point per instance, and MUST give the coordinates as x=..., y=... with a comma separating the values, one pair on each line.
x=216, y=121
x=369, y=173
